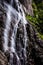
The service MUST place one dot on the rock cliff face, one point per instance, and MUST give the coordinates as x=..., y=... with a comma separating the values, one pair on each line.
x=34, y=46
x=28, y=5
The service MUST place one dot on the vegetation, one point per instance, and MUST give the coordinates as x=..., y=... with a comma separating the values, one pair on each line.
x=37, y=19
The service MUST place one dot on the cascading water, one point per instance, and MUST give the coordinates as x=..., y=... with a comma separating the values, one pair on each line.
x=16, y=49
x=19, y=43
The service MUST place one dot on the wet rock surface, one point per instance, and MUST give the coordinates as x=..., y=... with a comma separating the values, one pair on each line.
x=34, y=46
x=3, y=59
x=28, y=5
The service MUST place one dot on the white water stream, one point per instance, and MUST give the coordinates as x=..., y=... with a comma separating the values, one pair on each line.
x=18, y=16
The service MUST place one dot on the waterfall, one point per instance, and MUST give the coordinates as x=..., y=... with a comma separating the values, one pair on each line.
x=19, y=18
x=7, y=27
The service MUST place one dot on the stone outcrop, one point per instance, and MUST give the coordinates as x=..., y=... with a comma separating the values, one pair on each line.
x=28, y=5
x=3, y=59
x=35, y=47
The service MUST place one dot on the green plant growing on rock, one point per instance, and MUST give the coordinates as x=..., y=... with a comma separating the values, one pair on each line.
x=37, y=19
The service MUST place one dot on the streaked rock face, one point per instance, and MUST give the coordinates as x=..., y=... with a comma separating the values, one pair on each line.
x=28, y=5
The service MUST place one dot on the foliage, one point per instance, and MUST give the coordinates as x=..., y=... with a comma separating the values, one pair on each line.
x=37, y=19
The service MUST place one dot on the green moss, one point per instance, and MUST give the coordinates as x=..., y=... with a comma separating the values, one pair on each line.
x=32, y=20
x=40, y=36
x=35, y=23
x=37, y=19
